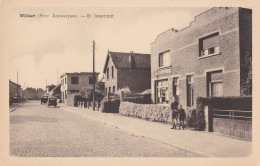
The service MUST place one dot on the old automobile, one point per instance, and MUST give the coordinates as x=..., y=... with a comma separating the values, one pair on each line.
x=52, y=101
x=44, y=99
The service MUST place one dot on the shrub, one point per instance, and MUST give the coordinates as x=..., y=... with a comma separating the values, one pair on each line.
x=191, y=118
x=150, y=112
x=111, y=106
x=226, y=103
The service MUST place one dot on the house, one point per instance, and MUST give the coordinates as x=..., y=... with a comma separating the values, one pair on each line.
x=72, y=83
x=127, y=70
x=56, y=91
x=49, y=88
x=204, y=59
x=14, y=89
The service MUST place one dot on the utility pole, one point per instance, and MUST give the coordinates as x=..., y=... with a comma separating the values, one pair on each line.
x=17, y=85
x=94, y=78
x=57, y=77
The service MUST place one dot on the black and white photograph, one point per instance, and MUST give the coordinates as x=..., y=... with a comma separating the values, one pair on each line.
x=132, y=82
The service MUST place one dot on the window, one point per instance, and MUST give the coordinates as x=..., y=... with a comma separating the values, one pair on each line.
x=114, y=89
x=209, y=45
x=65, y=81
x=108, y=73
x=106, y=90
x=112, y=72
x=190, y=90
x=164, y=59
x=175, y=87
x=91, y=80
x=109, y=90
x=74, y=80
x=162, y=92
x=215, y=83
x=65, y=94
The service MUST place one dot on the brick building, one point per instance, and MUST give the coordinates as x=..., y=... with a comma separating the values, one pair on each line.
x=203, y=59
x=72, y=83
x=127, y=70
x=14, y=88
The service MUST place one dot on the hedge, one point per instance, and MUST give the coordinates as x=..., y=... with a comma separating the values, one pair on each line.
x=152, y=112
x=138, y=98
x=111, y=106
x=225, y=103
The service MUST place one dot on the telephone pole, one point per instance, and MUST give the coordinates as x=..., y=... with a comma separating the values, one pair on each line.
x=94, y=78
x=17, y=85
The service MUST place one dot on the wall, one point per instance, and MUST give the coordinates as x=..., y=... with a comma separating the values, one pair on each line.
x=184, y=50
x=112, y=81
x=245, y=30
x=236, y=128
x=13, y=89
x=137, y=80
x=83, y=82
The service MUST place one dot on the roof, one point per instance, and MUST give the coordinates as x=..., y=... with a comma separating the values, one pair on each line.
x=121, y=60
x=14, y=83
x=58, y=86
x=77, y=73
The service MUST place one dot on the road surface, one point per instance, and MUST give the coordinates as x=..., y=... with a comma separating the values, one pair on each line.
x=39, y=131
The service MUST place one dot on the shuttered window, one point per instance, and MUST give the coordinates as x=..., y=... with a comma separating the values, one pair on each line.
x=209, y=45
x=215, y=83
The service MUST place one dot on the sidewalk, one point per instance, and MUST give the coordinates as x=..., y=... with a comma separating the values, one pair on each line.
x=14, y=106
x=204, y=143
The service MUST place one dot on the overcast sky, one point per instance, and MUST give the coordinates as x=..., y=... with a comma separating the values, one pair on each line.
x=38, y=47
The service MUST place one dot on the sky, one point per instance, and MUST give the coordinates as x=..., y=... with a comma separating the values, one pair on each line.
x=41, y=48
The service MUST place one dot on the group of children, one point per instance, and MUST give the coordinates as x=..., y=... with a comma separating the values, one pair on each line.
x=178, y=115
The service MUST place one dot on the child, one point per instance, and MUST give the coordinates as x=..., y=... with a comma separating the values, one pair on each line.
x=182, y=117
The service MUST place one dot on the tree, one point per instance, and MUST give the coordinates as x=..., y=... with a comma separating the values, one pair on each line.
x=99, y=91
x=247, y=66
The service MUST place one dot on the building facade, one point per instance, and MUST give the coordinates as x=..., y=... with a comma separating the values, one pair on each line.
x=127, y=70
x=14, y=89
x=72, y=83
x=49, y=88
x=204, y=59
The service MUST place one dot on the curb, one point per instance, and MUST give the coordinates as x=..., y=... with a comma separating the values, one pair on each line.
x=15, y=108
x=138, y=134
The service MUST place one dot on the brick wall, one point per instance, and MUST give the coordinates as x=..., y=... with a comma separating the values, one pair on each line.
x=137, y=80
x=237, y=128
x=184, y=50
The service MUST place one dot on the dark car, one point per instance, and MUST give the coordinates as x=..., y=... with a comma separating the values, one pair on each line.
x=52, y=101
x=44, y=99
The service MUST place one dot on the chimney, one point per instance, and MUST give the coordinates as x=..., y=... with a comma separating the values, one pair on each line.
x=131, y=60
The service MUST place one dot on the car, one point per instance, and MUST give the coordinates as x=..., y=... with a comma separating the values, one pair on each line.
x=52, y=101
x=44, y=99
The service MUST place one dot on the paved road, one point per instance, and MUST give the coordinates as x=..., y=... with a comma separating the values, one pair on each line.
x=39, y=131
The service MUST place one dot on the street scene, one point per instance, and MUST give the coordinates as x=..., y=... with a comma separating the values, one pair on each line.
x=113, y=88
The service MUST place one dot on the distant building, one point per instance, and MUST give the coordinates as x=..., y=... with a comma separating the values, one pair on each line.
x=72, y=83
x=56, y=91
x=207, y=58
x=49, y=88
x=127, y=70
x=33, y=93
x=13, y=87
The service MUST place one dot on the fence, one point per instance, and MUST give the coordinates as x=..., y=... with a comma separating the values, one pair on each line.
x=89, y=105
x=237, y=123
